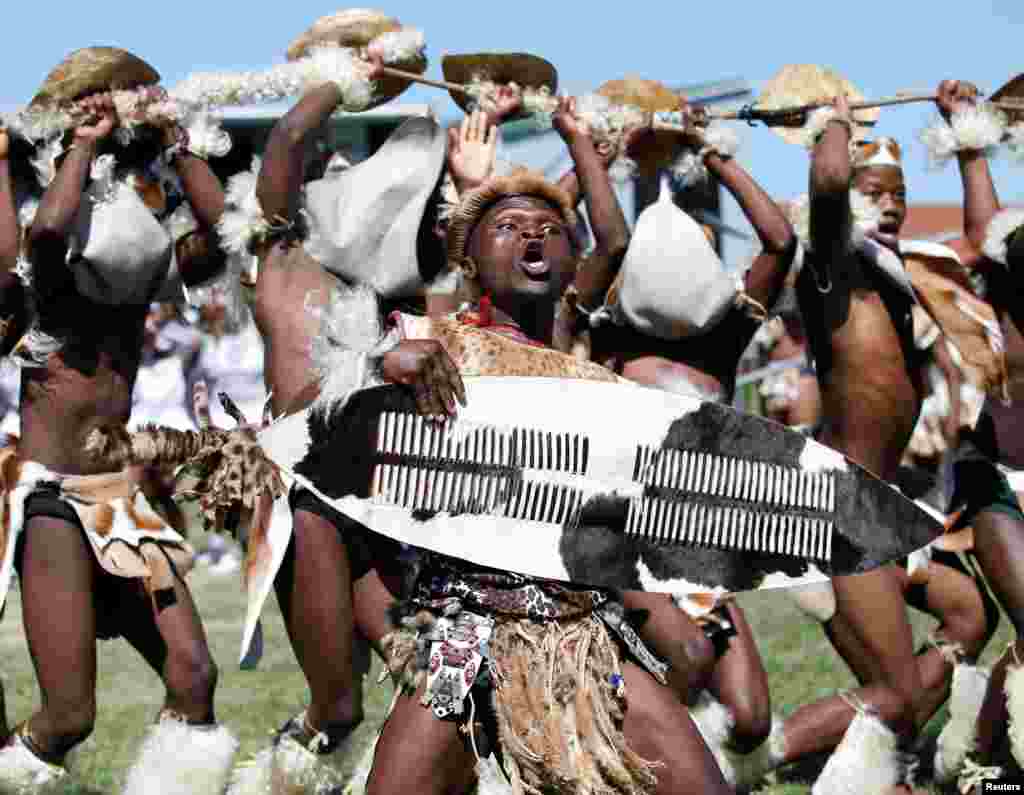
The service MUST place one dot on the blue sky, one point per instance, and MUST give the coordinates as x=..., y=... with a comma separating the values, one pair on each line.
x=882, y=46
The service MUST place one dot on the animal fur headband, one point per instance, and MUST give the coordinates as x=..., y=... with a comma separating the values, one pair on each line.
x=474, y=204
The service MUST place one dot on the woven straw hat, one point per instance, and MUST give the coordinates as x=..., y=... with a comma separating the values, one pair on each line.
x=523, y=69
x=649, y=96
x=356, y=28
x=804, y=84
x=91, y=70
x=1012, y=91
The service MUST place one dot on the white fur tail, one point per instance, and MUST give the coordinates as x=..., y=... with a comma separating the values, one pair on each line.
x=179, y=759
x=1014, y=688
x=866, y=762
x=958, y=735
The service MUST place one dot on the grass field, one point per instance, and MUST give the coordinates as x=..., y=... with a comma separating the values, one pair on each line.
x=800, y=663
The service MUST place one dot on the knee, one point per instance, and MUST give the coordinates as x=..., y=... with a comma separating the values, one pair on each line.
x=752, y=720
x=971, y=630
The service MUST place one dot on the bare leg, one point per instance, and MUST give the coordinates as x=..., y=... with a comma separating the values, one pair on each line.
x=740, y=682
x=370, y=602
x=170, y=637
x=677, y=638
x=417, y=753
x=658, y=730
x=57, y=578
x=870, y=624
x=999, y=548
x=315, y=593
x=954, y=599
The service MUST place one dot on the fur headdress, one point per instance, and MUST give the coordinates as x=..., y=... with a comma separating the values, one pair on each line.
x=474, y=204
x=879, y=152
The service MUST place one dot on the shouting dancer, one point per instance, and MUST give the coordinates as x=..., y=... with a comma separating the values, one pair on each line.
x=513, y=240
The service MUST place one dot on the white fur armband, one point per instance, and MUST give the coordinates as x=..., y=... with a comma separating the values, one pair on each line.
x=978, y=128
x=349, y=341
x=206, y=138
x=818, y=121
x=689, y=168
x=999, y=231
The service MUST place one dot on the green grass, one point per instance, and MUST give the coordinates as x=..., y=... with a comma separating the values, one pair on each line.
x=801, y=667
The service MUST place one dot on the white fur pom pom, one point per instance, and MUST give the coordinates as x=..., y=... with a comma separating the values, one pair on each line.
x=958, y=735
x=350, y=336
x=242, y=223
x=1000, y=228
x=206, y=138
x=977, y=128
x=1014, y=689
x=179, y=759
x=399, y=46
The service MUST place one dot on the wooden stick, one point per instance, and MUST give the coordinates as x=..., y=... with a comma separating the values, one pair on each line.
x=415, y=78
x=768, y=115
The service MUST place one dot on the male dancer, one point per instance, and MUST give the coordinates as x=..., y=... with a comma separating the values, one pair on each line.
x=81, y=530
x=513, y=239
x=859, y=327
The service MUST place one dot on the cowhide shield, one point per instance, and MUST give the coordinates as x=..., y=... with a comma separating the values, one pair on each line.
x=601, y=484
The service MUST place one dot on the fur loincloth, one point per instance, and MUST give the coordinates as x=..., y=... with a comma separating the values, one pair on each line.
x=127, y=536
x=547, y=659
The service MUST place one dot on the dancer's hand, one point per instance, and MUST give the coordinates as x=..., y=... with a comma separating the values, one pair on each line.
x=100, y=118
x=954, y=95
x=5, y=143
x=694, y=120
x=505, y=102
x=567, y=121
x=425, y=367
x=471, y=151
